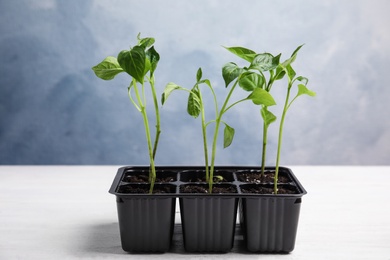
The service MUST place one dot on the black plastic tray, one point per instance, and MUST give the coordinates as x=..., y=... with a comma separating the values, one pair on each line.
x=268, y=221
x=230, y=173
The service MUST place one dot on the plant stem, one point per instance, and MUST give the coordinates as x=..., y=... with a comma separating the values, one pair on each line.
x=204, y=134
x=265, y=127
x=263, y=156
x=285, y=108
x=213, y=152
x=235, y=103
x=158, y=124
x=152, y=176
x=152, y=172
x=216, y=130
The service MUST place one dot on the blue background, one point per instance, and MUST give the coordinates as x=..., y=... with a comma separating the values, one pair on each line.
x=53, y=110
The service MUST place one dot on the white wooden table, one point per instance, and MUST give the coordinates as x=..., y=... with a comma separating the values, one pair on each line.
x=66, y=212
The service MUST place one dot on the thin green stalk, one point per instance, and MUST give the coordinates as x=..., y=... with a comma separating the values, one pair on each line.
x=150, y=149
x=158, y=124
x=216, y=130
x=235, y=103
x=285, y=108
x=131, y=98
x=204, y=134
x=263, y=156
x=213, y=152
x=265, y=128
x=148, y=138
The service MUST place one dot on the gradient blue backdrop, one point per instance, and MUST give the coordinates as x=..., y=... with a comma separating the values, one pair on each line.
x=53, y=110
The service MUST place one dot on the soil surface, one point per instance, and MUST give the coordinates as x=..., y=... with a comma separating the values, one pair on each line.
x=133, y=189
x=216, y=179
x=144, y=178
x=205, y=189
x=266, y=190
x=256, y=177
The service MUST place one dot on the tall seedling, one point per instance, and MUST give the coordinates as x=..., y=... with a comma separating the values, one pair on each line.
x=286, y=68
x=139, y=62
x=195, y=107
x=253, y=78
x=258, y=65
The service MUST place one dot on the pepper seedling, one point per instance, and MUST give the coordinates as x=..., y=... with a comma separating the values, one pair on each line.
x=195, y=107
x=140, y=62
x=258, y=65
x=253, y=78
x=286, y=68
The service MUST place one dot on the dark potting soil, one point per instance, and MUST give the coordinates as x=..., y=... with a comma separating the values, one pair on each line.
x=266, y=190
x=205, y=189
x=133, y=189
x=256, y=177
x=216, y=179
x=144, y=178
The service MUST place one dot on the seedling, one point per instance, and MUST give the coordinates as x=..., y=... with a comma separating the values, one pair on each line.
x=195, y=107
x=286, y=68
x=140, y=62
x=259, y=64
x=253, y=77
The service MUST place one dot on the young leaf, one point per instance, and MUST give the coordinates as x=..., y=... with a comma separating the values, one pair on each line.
x=198, y=74
x=280, y=72
x=295, y=52
x=260, y=96
x=168, y=90
x=230, y=71
x=206, y=81
x=108, y=68
x=228, y=135
x=194, y=103
x=145, y=42
x=290, y=72
x=250, y=80
x=242, y=52
x=303, y=90
x=133, y=62
x=267, y=116
x=153, y=57
x=265, y=62
x=293, y=57
x=304, y=80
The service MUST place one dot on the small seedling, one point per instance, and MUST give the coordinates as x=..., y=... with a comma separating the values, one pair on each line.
x=259, y=64
x=287, y=69
x=195, y=107
x=139, y=62
x=253, y=77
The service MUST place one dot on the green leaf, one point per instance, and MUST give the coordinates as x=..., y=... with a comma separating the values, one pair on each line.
x=265, y=62
x=108, y=68
x=153, y=57
x=303, y=90
x=280, y=72
x=260, y=96
x=304, y=80
x=198, y=74
x=194, y=103
x=242, y=52
x=230, y=71
x=293, y=56
x=228, y=135
x=206, y=81
x=133, y=62
x=145, y=42
x=267, y=116
x=295, y=52
x=250, y=80
x=168, y=90
x=290, y=72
